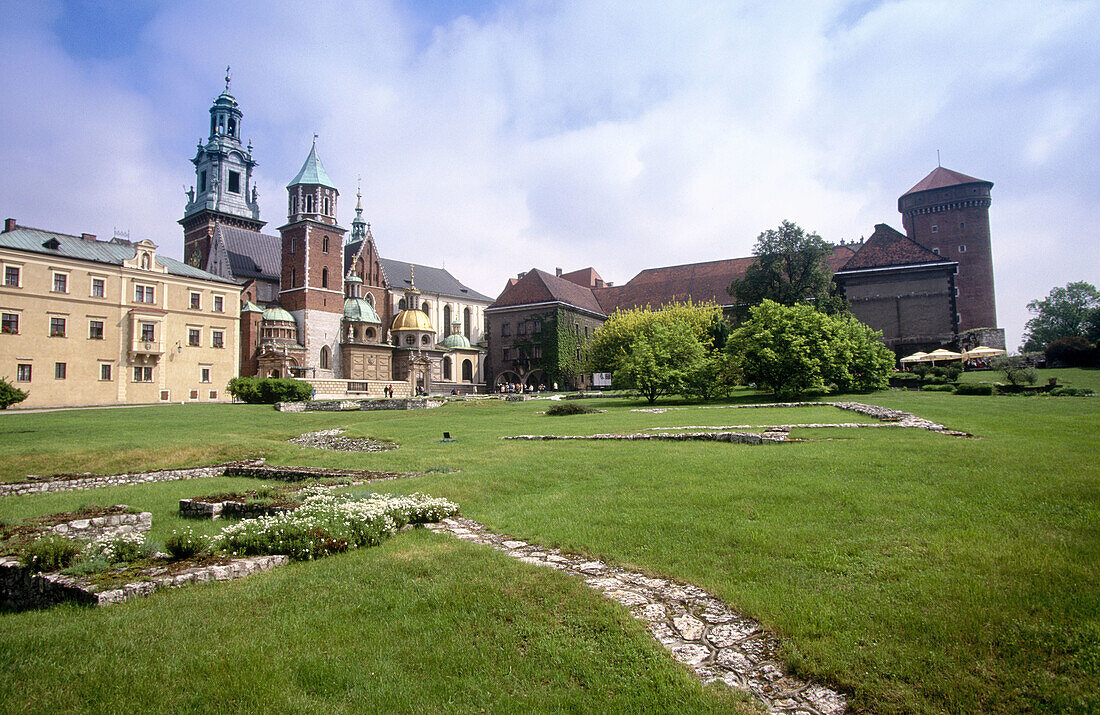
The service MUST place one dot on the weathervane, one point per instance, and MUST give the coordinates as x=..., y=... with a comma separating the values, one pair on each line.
x=227, y=79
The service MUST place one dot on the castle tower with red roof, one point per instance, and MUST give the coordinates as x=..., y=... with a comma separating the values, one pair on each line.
x=948, y=213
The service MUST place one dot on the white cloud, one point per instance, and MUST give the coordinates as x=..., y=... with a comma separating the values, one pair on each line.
x=618, y=135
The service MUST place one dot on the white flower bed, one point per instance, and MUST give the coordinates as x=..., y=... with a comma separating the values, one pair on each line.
x=328, y=523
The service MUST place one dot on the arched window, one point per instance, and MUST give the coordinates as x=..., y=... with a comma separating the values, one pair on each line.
x=324, y=276
x=401, y=304
x=370, y=298
x=446, y=320
x=309, y=203
x=293, y=204
x=427, y=309
x=425, y=340
x=232, y=127
x=293, y=277
x=466, y=323
x=327, y=205
x=446, y=368
x=467, y=371
x=324, y=357
x=324, y=244
x=368, y=334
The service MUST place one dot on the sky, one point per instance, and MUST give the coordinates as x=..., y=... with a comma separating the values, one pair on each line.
x=495, y=137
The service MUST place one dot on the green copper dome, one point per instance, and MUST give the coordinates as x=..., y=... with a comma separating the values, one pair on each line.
x=276, y=313
x=361, y=311
x=250, y=307
x=456, y=340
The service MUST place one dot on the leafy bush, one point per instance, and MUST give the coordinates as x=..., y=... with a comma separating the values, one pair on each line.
x=184, y=545
x=1071, y=392
x=269, y=390
x=792, y=349
x=1016, y=371
x=88, y=567
x=938, y=388
x=51, y=553
x=972, y=389
x=567, y=408
x=950, y=373
x=1071, y=351
x=10, y=394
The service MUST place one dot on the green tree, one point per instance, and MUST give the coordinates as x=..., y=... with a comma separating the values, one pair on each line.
x=611, y=342
x=658, y=359
x=1067, y=311
x=792, y=349
x=10, y=394
x=789, y=269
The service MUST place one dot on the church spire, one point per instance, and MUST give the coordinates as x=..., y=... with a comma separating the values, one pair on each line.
x=359, y=227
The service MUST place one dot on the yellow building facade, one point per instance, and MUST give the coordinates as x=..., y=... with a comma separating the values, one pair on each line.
x=89, y=322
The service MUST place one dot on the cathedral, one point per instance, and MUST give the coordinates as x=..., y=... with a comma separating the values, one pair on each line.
x=318, y=302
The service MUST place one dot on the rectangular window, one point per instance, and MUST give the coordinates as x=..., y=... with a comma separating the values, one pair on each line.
x=9, y=324
x=57, y=327
x=98, y=287
x=143, y=373
x=60, y=283
x=148, y=332
x=213, y=394
x=144, y=294
x=205, y=375
x=11, y=276
x=962, y=249
x=505, y=330
x=193, y=337
x=59, y=371
x=935, y=229
x=202, y=181
x=217, y=339
x=95, y=330
x=219, y=304
x=22, y=372
x=193, y=395
x=234, y=182
x=521, y=328
x=196, y=301
x=164, y=395
x=105, y=372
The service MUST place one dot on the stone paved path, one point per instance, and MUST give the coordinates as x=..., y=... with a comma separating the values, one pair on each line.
x=717, y=644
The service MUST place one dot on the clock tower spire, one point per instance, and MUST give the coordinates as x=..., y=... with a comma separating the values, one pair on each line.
x=224, y=191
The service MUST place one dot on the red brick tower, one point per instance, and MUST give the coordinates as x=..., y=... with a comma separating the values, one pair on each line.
x=311, y=285
x=948, y=213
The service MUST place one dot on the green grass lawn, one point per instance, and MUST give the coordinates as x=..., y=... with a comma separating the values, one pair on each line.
x=915, y=571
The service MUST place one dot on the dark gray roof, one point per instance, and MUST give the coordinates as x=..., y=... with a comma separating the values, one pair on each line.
x=350, y=249
x=113, y=252
x=429, y=280
x=252, y=254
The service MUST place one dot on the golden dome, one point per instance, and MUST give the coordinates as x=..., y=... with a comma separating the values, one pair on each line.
x=413, y=319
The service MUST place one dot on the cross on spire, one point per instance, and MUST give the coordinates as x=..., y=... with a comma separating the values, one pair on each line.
x=227, y=79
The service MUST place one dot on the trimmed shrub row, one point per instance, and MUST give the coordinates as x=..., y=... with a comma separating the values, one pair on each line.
x=269, y=390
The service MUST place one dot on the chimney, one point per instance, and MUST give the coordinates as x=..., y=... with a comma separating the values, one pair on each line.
x=521, y=275
x=9, y=224
x=87, y=237
x=557, y=272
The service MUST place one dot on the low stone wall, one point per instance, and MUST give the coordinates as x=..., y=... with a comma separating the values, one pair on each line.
x=77, y=483
x=108, y=526
x=192, y=509
x=403, y=403
x=298, y=474
x=21, y=588
x=734, y=437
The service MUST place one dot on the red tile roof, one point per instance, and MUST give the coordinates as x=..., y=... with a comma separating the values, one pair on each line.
x=888, y=247
x=587, y=277
x=697, y=282
x=540, y=287
x=941, y=177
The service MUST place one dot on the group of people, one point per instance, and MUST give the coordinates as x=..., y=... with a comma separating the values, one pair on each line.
x=509, y=388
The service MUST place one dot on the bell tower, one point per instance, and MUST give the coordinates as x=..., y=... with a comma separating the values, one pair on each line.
x=311, y=285
x=223, y=191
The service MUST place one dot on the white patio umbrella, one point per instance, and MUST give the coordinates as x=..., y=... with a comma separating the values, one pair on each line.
x=982, y=352
x=915, y=357
x=943, y=354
